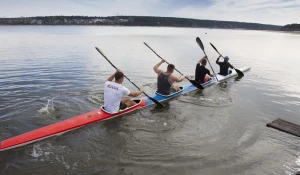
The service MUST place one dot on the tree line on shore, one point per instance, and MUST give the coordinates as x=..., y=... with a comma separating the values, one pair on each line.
x=295, y=27
x=141, y=21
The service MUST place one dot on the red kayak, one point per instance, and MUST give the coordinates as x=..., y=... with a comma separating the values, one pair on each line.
x=65, y=126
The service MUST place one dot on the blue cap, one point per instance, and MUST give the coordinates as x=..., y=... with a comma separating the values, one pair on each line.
x=226, y=58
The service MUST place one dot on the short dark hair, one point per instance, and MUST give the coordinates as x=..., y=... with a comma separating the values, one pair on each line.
x=170, y=67
x=203, y=61
x=119, y=75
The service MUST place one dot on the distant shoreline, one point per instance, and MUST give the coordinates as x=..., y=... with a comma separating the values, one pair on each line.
x=72, y=25
x=128, y=26
x=140, y=21
x=143, y=21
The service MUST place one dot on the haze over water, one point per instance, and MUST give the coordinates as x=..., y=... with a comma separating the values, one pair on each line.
x=221, y=130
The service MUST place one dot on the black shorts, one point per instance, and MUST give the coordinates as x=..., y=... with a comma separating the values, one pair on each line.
x=122, y=106
x=229, y=72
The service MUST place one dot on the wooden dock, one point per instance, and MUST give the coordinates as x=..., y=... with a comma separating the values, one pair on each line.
x=285, y=126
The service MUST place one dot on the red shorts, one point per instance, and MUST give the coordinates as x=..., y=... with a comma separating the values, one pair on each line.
x=206, y=79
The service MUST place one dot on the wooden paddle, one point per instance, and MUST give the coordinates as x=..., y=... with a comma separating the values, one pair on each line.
x=240, y=73
x=199, y=42
x=155, y=101
x=195, y=83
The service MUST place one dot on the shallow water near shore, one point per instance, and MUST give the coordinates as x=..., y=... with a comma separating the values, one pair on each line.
x=52, y=73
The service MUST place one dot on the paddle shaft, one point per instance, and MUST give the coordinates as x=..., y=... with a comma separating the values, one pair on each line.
x=210, y=65
x=195, y=83
x=117, y=69
x=199, y=42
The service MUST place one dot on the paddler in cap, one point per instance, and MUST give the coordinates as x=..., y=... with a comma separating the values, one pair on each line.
x=224, y=66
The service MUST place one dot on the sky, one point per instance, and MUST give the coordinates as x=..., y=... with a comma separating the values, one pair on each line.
x=278, y=12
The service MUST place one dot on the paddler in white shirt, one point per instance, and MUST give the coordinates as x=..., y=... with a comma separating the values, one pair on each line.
x=114, y=92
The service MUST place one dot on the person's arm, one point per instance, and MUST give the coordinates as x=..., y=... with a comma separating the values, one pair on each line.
x=212, y=75
x=156, y=67
x=111, y=78
x=231, y=66
x=178, y=79
x=218, y=59
x=135, y=94
x=205, y=57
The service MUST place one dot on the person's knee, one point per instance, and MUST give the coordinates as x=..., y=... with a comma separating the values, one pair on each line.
x=133, y=102
x=124, y=100
x=130, y=103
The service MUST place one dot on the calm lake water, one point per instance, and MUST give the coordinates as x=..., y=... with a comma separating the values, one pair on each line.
x=221, y=130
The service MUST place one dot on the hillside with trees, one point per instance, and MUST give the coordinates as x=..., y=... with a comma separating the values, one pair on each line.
x=134, y=21
x=292, y=27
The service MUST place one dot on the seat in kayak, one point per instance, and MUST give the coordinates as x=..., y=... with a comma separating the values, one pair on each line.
x=138, y=101
x=170, y=94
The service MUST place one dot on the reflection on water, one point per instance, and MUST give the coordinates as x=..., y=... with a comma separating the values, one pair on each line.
x=220, y=130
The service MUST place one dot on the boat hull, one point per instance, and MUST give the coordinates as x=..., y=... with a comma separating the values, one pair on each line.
x=95, y=116
x=64, y=126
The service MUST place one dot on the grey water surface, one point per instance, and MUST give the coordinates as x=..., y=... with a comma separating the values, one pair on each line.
x=220, y=130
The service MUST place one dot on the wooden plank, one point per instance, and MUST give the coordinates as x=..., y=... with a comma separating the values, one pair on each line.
x=285, y=126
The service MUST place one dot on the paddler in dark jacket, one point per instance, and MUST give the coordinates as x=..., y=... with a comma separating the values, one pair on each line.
x=224, y=66
x=165, y=80
x=202, y=74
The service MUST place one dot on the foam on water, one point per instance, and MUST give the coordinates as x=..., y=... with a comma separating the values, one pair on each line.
x=48, y=108
x=96, y=99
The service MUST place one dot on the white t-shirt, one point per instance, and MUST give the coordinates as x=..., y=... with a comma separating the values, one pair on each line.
x=113, y=94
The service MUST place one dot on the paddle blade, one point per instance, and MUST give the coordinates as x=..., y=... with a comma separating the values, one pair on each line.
x=195, y=83
x=199, y=42
x=214, y=47
x=146, y=44
x=240, y=73
x=100, y=52
x=157, y=102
